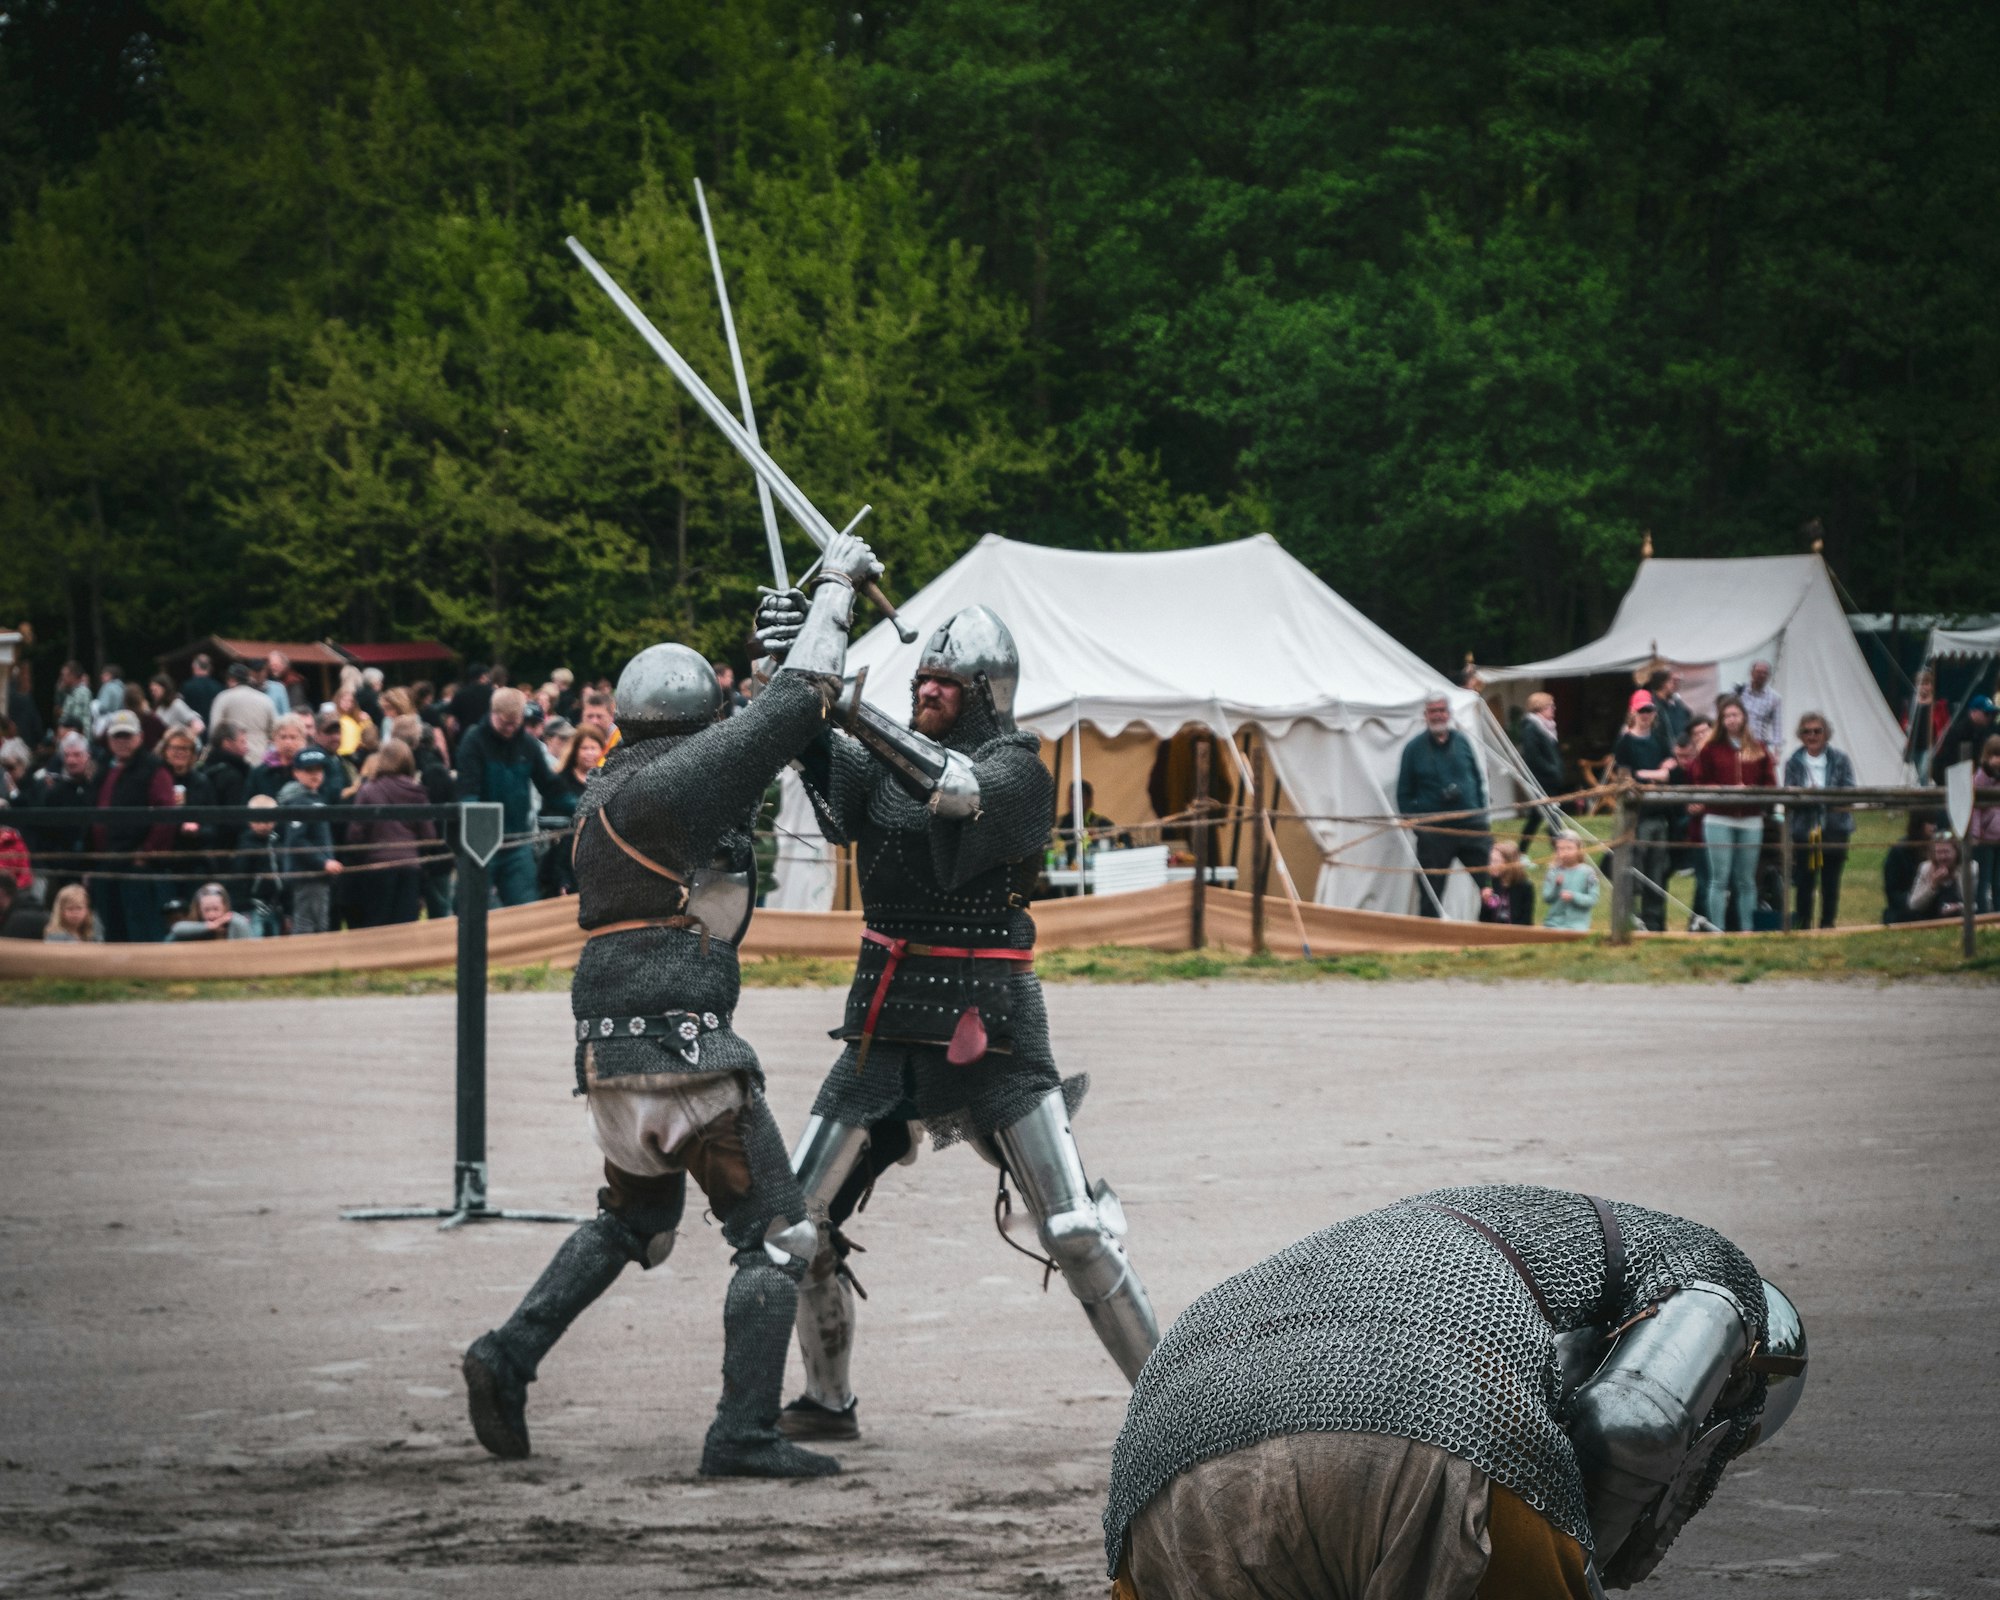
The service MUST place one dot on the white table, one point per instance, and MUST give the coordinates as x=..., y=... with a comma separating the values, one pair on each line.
x=1064, y=879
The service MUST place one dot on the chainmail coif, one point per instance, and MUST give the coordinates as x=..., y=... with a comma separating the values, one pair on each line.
x=1405, y=1321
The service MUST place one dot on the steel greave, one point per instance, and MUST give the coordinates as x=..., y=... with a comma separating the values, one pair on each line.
x=827, y=1154
x=1041, y=1152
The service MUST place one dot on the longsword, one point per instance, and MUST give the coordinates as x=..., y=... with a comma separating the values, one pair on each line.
x=787, y=493
x=743, y=393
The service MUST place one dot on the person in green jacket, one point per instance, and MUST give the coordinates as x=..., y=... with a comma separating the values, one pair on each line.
x=1569, y=888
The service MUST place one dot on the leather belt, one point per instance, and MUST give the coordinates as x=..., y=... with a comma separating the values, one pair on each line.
x=642, y=922
x=899, y=948
x=682, y=1030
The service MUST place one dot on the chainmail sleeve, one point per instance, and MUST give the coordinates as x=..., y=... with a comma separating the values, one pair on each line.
x=678, y=804
x=1016, y=806
x=838, y=773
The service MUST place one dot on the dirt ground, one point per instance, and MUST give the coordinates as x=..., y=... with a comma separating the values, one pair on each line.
x=210, y=1385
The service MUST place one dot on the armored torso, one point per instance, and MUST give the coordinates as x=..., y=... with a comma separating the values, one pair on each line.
x=937, y=881
x=1406, y=1321
x=664, y=834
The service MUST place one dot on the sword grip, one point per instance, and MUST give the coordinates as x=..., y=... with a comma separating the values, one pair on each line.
x=904, y=631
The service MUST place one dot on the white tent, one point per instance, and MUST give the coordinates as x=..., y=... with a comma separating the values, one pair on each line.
x=1223, y=637
x=1713, y=618
x=1963, y=642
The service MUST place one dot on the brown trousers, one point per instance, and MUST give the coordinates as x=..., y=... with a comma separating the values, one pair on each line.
x=714, y=1158
x=1344, y=1516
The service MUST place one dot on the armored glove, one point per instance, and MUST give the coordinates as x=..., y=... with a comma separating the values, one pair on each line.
x=848, y=559
x=780, y=615
x=818, y=645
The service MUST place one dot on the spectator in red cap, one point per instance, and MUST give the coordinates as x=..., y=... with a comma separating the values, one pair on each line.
x=1644, y=753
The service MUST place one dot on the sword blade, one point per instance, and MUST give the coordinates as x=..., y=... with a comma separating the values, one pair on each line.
x=788, y=494
x=764, y=504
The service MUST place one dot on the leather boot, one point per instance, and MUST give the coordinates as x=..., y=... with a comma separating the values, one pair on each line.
x=501, y=1364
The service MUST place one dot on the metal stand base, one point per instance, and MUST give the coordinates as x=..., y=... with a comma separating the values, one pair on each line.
x=454, y=1219
x=471, y=1207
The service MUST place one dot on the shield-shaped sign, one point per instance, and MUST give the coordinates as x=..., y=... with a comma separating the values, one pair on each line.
x=481, y=825
x=1958, y=796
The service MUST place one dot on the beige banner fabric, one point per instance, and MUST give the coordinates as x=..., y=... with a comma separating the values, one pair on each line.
x=519, y=936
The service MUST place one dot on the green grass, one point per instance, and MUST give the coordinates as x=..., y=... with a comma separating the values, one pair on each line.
x=1860, y=884
x=1884, y=956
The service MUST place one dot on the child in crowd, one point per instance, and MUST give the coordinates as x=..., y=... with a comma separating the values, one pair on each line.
x=309, y=845
x=1936, y=891
x=1508, y=895
x=258, y=867
x=71, y=921
x=1569, y=888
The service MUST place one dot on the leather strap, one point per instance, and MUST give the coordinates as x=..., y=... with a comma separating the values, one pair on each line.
x=1613, y=1296
x=1613, y=1299
x=898, y=948
x=639, y=856
x=1513, y=1256
x=641, y=922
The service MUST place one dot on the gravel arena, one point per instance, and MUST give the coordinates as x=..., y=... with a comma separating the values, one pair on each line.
x=213, y=1386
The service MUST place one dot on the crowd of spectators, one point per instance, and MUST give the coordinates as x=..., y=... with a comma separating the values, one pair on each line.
x=256, y=736
x=1733, y=851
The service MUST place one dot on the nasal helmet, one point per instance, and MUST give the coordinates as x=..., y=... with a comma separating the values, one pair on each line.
x=974, y=650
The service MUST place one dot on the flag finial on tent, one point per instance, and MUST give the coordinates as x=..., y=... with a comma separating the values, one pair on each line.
x=1646, y=546
x=1817, y=534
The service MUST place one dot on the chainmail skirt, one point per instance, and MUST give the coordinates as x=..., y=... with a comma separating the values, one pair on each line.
x=915, y=1083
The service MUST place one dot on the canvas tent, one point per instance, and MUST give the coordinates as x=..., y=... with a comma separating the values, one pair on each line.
x=1714, y=618
x=1961, y=642
x=1122, y=650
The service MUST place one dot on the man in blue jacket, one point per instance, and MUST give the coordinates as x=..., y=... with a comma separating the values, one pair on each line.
x=497, y=760
x=1440, y=773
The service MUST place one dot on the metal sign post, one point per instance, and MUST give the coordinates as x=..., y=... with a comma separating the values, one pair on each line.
x=481, y=827
x=1958, y=801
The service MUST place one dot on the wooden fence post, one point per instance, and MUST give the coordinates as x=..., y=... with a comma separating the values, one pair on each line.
x=1969, y=939
x=1785, y=867
x=1626, y=834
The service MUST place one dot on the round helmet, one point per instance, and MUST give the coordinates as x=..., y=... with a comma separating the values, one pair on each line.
x=665, y=688
x=974, y=649
x=1782, y=1360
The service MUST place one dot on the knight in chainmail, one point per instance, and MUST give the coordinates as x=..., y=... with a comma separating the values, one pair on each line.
x=666, y=879
x=1502, y=1390
x=944, y=1023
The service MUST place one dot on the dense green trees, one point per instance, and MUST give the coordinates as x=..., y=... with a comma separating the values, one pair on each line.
x=1455, y=299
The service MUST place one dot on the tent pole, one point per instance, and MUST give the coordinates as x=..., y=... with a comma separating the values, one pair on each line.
x=1203, y=841
x=1076, y=811
x=1271, y=835
x=1236, y=832
x=1259, y=862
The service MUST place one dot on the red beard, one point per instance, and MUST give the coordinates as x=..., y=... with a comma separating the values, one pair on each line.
x=933, y=721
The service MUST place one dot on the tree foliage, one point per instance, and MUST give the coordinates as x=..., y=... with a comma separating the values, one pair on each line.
x=1457, y=300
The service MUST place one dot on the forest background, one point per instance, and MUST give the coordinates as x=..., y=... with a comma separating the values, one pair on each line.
x=1456, y=299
